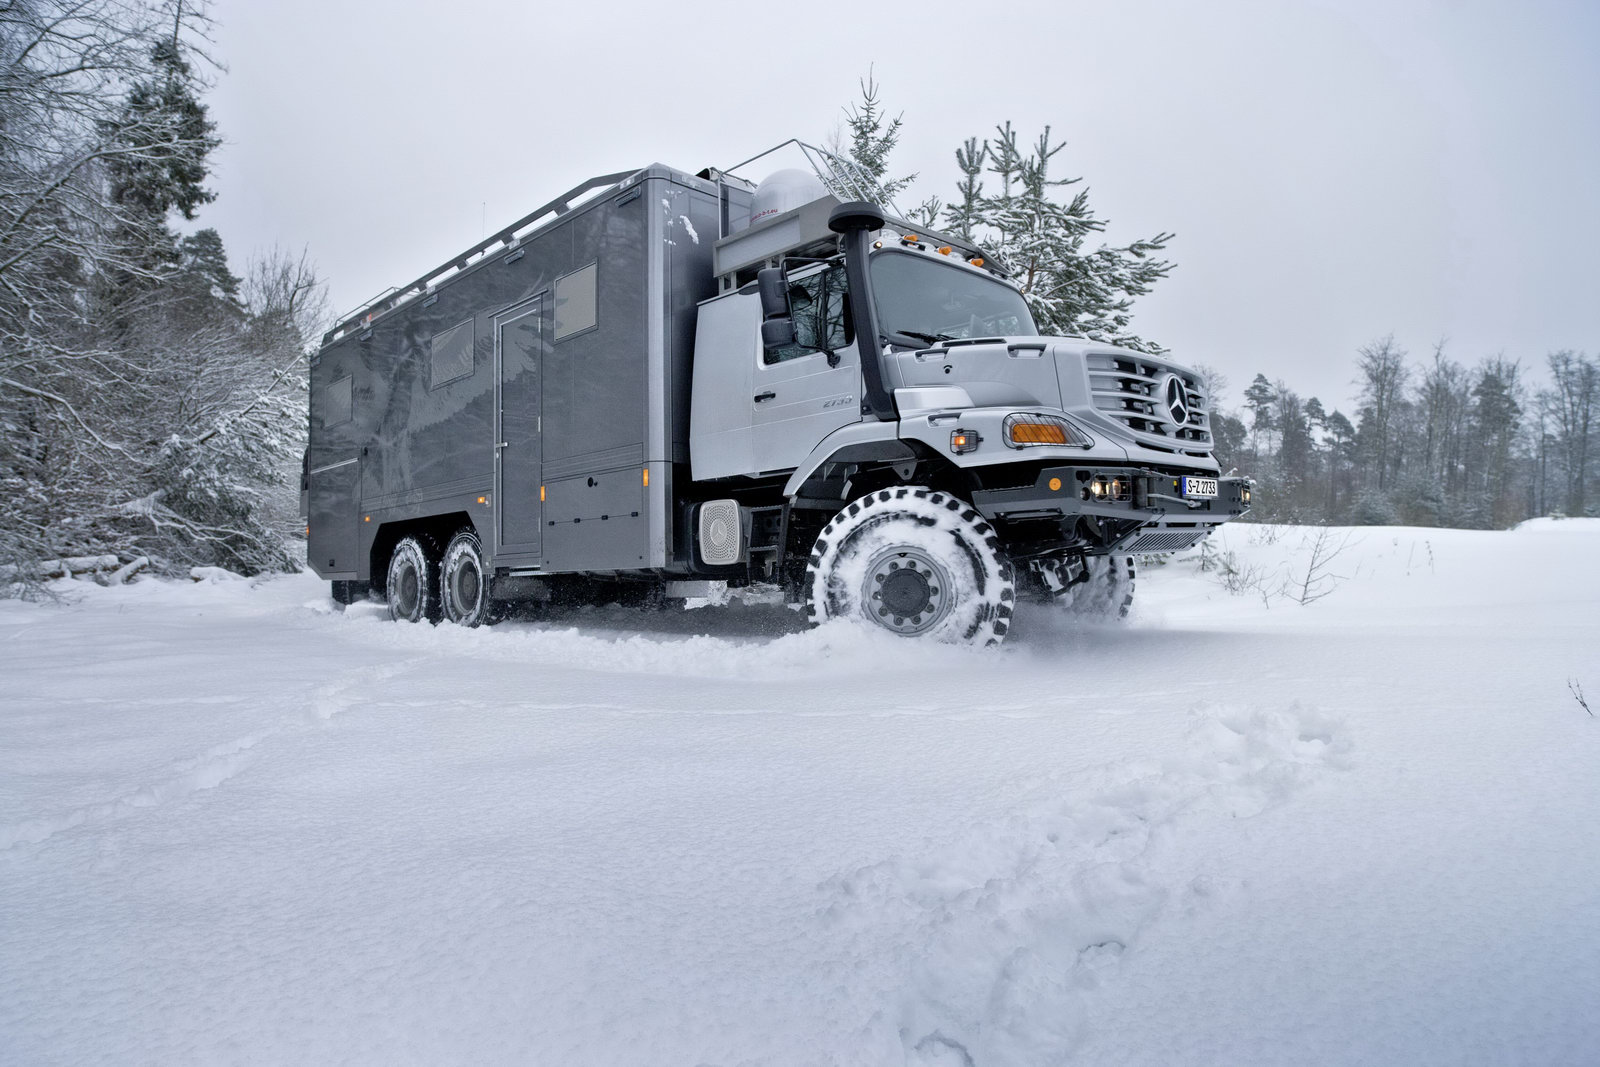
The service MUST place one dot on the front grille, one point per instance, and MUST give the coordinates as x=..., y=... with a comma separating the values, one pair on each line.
x=1132, y=390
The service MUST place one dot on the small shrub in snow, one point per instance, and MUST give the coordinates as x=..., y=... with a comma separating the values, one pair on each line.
x=1319, y=580
x=1374, y=509
x=1237, y=578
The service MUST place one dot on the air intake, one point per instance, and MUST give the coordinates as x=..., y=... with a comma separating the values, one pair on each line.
x=719, y=533
x=1164, y=540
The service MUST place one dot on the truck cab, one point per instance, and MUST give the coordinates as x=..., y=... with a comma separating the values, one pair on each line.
x=869, y=356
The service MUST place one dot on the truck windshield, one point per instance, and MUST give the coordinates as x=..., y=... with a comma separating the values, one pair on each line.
x=932, y=301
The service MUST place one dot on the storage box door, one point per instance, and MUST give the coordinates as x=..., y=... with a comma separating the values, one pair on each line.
x=518, y=457
x=331, y=515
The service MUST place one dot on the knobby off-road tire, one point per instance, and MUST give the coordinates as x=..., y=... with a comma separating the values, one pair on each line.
x=1107, y=593
x=915, y=562
x=463, y=582
x=412, y=588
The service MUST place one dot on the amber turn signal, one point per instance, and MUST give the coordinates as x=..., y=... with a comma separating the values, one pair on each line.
x=1037, y=433
x=964, y=441
x=1027, y=428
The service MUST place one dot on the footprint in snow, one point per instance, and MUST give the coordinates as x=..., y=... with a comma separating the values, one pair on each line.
x=998, y=942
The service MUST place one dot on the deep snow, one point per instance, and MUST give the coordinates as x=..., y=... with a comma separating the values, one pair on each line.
x=238, y=825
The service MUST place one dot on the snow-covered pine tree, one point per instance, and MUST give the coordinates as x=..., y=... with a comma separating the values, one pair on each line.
x=1258, y=398
x=161, y=141
x=1495, y=421
x=868, y=138
x=1072, y=289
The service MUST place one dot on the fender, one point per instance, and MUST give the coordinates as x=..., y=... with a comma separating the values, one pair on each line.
x=863, y=440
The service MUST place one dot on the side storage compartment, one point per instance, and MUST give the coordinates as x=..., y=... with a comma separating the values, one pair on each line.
x=333, y=543
x=595, y=522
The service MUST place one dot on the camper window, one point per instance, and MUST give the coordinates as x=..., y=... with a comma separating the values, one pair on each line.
x=452, y=354
x=575, y=302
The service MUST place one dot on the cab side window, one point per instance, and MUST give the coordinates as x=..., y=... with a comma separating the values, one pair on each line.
x=820, y=305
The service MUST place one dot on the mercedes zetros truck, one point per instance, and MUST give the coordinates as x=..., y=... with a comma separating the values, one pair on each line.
x=661, y=380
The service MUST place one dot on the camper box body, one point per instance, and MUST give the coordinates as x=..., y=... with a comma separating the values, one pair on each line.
x=539, y=393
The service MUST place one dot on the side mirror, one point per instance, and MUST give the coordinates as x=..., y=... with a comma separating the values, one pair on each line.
x=773, y=284
x=777, y=323
x=777, y=333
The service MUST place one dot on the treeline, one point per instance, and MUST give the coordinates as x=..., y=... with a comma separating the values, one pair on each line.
x=1430, y=443
x=151, y=401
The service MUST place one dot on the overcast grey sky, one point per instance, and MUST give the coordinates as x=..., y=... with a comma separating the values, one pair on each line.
x=1333, y=171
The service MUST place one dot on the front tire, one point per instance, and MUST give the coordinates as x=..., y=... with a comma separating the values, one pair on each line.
x=1106, y=592
x=915, y=562
x=412, y=588
x=463, y=582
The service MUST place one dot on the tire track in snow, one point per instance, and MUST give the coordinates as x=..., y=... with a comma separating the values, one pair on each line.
x=196, y=774
x=998, y=943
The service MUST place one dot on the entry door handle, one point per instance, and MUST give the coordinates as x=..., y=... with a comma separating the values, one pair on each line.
x=768, y=395
x=502, y=444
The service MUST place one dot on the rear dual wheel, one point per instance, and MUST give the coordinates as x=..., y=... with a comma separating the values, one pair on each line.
x=427, y=585
x=412, y=588
x=463, y=582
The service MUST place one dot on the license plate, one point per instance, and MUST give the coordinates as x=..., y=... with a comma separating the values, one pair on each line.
x=1200, y=487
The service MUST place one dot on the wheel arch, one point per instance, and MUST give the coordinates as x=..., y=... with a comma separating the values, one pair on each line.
x=874, y=444
x=437, y=528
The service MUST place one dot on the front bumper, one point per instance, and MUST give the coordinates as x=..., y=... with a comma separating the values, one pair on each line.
x=1165, y=520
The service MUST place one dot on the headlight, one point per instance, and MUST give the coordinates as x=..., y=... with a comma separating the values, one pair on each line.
x=1024, y=429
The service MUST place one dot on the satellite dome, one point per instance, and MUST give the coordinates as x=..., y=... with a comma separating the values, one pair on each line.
x=782, y=191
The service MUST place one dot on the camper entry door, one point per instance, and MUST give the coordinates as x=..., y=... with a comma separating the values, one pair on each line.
x=518, y=457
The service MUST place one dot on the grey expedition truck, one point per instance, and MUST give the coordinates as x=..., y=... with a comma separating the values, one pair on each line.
x=661, y=380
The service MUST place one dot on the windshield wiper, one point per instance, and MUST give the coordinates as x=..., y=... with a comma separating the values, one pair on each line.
x=931, y=338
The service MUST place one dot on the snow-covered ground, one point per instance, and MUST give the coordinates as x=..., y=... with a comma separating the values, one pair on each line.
x=239, y=825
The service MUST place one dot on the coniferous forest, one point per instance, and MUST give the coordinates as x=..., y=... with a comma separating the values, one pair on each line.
x=1431, y=442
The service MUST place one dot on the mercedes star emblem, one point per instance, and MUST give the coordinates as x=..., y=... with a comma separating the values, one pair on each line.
x=1177, y=400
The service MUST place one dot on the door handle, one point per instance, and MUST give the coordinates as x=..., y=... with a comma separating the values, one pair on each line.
x=768, y=395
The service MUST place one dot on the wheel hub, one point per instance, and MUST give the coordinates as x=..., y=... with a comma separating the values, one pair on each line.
x=906, y=590
x=467, y=586
x=410, y=591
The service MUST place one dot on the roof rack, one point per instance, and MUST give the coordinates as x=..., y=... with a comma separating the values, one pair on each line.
x=845, y=178
x=506, y=238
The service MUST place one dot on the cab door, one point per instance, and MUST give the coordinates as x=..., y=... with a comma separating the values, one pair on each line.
x=805, y=391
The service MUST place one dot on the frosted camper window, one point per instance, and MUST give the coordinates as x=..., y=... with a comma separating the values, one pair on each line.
x=452, y=354
x=336, y=402
x=575, y=302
